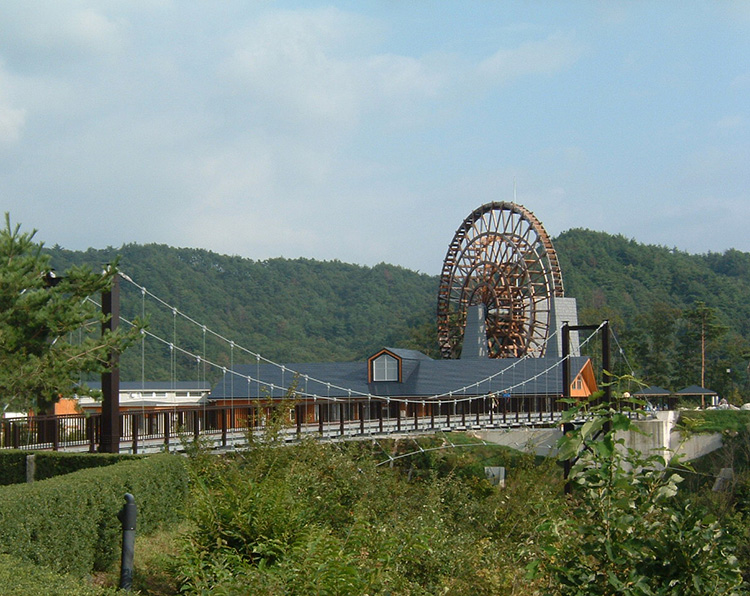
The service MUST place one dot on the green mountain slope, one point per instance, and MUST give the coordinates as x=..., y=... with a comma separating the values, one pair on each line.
x=287, y=310
x=649, y=293
x=305, y=310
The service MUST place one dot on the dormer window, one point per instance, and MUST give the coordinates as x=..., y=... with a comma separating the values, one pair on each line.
x=385, y=368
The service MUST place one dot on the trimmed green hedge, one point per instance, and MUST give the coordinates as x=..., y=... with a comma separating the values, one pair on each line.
x=12, y=466
x=70, y=524
x=50, y=463
x=20, y=578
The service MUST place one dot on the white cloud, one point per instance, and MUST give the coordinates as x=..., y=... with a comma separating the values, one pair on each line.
x=55, y=33
x=732, y=122
x=248, y=129
x=11, y=123
x=94, y=31
x=12, y=119
x=289, y=62
x=548, y=56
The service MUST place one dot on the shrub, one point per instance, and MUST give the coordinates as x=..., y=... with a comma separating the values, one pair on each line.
x=12, y=466
x=627, y=531
x=70, y=524
x=50, y=463
x=21, y=578
x=323, y=519
x=715, y=421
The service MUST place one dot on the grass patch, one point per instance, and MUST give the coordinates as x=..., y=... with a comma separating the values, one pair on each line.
x=155, y=570
x=714, y=421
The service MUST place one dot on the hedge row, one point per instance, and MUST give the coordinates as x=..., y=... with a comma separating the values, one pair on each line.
x=12, y=466
x=21, y=578
x=50, y=463
x=69, y=523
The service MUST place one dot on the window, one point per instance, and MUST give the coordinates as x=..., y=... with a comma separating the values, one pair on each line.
x=385, y=368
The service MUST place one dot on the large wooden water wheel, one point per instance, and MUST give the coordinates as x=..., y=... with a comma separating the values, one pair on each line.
x=501, y=257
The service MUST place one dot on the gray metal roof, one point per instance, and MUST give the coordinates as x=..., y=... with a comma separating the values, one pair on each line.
x=408, y=354
x=159, y=386
x=696, y=390
x=653, y=391
x=422, y=378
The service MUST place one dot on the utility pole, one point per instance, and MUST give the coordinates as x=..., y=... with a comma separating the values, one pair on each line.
x=110, y=429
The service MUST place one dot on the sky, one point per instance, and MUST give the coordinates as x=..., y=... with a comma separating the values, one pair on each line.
x=367, y=131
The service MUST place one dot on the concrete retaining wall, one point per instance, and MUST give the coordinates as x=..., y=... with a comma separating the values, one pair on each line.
x=657, y=436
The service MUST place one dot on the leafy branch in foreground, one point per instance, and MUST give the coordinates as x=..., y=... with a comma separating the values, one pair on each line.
x=626, y=530
x=50, y=332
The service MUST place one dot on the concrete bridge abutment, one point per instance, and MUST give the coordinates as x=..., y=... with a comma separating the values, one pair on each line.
x=654, y=436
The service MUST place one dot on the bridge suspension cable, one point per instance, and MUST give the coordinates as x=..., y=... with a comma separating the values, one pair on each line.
x=202, y=359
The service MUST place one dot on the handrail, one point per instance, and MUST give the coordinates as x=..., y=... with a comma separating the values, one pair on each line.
x=167, y=427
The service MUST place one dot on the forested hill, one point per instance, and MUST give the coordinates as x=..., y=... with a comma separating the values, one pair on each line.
x=287, y=310
x=612, y=272
x=658, y=300
x=305, y=310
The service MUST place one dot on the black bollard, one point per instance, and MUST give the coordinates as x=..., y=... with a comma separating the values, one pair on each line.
x=127, y=517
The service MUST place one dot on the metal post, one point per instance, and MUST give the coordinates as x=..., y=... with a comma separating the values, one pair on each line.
x=91, y=434
x=223, y=414
x=540, y=405
x=134, y=422
x=606, y=362
x=605, y=370
x=127, y=517
x=110, y=439
x=566, y=360
x=166, y=430
x=341, y=418
x=55, y=433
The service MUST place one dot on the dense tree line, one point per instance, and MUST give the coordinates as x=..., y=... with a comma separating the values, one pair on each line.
x=669, y=308
x=662, y=303
x=287, y=310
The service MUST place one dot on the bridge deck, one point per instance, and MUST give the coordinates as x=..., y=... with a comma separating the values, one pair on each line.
x=147, y=431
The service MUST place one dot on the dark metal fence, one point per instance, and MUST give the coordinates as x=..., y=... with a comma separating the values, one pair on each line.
x=167, y=428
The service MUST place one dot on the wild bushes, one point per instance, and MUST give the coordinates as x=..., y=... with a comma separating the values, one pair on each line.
x=625, y=529
x=323, y=519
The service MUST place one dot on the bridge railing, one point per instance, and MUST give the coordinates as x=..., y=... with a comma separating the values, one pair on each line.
x=224, y=424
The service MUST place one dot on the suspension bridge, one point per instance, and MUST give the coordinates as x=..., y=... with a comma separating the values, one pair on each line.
x=511, y=393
